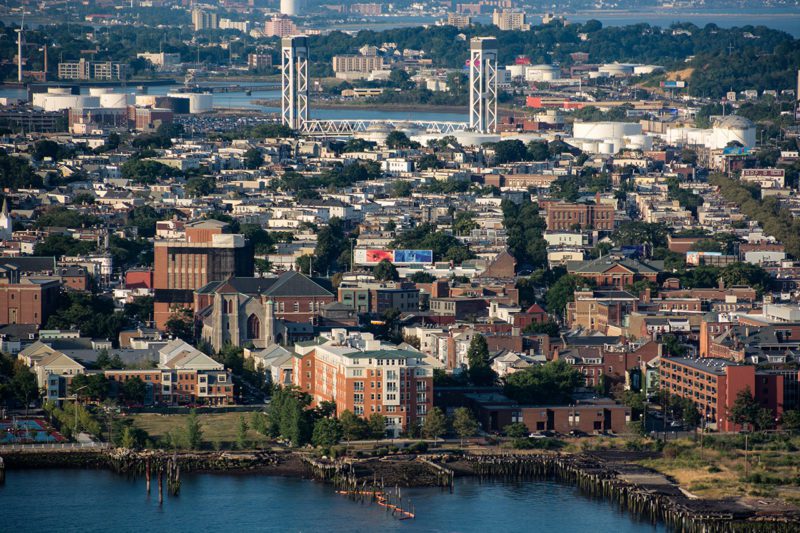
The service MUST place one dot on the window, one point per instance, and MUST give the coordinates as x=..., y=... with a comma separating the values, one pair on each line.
x=296, y=307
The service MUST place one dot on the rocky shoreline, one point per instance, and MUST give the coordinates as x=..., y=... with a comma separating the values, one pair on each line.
x=613, y=476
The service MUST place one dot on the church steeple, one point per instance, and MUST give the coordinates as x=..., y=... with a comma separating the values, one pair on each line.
x=6, y=224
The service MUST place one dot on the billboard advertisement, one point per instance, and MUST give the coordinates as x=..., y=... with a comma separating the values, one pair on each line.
x=373, y=256
x=670, y=84
x=376, y=256
x=413, y=256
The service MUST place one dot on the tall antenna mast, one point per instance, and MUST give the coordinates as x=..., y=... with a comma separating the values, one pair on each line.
x=20, y=32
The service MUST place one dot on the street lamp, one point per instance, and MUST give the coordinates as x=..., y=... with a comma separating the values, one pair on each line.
x=75, y=395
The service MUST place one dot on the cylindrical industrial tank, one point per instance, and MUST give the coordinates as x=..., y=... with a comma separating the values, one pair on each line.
x=640, y=142
x=145, y=100
x=198, y=102
x=606, y=148
x=291, y=7
x=605, y=130
x=59, y=102
x=114, y=100
x=179, y=106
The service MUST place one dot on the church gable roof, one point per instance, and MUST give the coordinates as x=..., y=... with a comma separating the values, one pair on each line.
x=296, y=284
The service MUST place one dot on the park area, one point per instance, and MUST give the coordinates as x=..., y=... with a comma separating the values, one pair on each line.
x=217, y=430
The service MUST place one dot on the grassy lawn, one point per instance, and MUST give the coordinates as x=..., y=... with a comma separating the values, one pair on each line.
x=219, y=429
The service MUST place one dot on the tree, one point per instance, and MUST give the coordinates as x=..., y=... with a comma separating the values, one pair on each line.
x=746, y=274
x=134, y=390
x=23, y=384
x=353, y=427
x=59, y=245
x=745, y=409
x=563, y=291
x=128, y=439
x=464, y=223
x=377, y=426
x=480, y=371
x=537, y=151
x=327, y=432
x=422, y=277
x=401, y=189
x=288, y=417
x=549, y=328
x=253, y=158
x=194, y=433
x=509, y=152
x=516, y=430
x=552, y=383
x=398, y=139
x=790, y=420
x=181, y=324
x=241, y=433
x=385, y=271
x=435, y=425
x=464, y=423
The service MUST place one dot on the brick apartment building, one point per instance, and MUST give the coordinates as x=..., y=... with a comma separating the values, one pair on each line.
x=495, y=412
x=619, y=272
x=364, y=376
x=567, y=215
x=597, y=310
x=714, y=383
x=206, y=252
x=26, y=300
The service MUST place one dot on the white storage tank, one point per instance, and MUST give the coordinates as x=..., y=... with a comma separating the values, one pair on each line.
x=640, y=142
x=114, y=100
x=542, y=73
x=291, y=8
x=605, y=148
x=616, y=69
x=60, y=102
x=601, y=131
x=198, y=102
x=97, y=91
x=145, y=100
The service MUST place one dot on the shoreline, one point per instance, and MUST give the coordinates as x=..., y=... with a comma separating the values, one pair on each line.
x=611, y=475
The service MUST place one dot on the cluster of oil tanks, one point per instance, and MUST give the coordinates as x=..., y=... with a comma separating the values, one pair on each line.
x=61, y=98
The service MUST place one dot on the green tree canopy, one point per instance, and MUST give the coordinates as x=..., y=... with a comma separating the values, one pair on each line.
x=551, y=383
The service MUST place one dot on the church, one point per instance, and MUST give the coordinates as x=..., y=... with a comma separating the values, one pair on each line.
x=6, y=224
x=260, y=311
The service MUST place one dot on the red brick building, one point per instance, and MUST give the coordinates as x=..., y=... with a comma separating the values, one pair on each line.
x=395, y=383
x=713, y=384
x=26, y=300
x=207, y=252
x=567, y=215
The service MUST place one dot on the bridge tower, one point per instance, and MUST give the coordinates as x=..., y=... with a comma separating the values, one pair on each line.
x=483, y=84
x=294, y=81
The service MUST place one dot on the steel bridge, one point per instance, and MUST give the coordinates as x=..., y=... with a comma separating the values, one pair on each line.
x=336, y=128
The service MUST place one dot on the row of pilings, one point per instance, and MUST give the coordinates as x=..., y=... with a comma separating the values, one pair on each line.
x=595, y=479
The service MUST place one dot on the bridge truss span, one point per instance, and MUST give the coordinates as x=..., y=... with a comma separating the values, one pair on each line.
x=335, y=128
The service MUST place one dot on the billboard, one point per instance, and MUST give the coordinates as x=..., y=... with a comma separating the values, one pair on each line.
x=413, y=256
x=673, y=84
x=373, y=256
x=376, y=256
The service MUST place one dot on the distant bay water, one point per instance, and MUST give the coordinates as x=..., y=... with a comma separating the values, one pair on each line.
x=89, y=501
x=785, y=19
